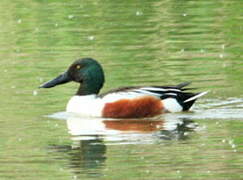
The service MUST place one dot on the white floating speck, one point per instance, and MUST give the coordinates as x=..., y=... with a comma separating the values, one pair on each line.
x=70, y=16
x=233, y=146
x=182, y=50
x=184, y=14
x=234, y=150
x=35, y=93
x=91, y=38
x=202, y=50
x=19, y=139
x=223, y=46
x=19, y=21
x=139, y=13
x=5, y=70
x=41, y=79
x=61, y=169
x=230, y=142
x=221, y=55
x=13, y=87
x=56, y=24
x=208, y=171
x=186, y=133
x=178, y=171
x=223, y=141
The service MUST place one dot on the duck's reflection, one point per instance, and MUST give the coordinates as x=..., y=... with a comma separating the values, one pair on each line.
x=88, y=154
x=130, y=130
x=91, y=136
x=84, y=156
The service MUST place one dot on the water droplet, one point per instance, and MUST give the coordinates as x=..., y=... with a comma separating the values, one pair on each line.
x=56, y=24
x=202, y=50
x=221, y=55
x=41, y=79
x=178, y=171
x=223, y=141
x=61, y=169
x=19, y=21
x=230, y=142
x=20, y=139
x=35, y=93
x=186, y=133
x=70, y=16
x=139, y=13
x=91, y=38
x=184, y=14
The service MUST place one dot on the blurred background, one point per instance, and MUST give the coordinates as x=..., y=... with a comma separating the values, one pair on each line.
x=155, y=42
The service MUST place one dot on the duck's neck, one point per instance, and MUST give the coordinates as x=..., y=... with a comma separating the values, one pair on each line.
x=91, y=84
x=86, y=89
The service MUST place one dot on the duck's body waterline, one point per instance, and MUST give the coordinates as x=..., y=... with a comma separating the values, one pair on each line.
x=121, y=106
x=129, y=102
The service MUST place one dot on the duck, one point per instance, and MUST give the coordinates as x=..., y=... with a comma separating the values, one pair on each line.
x=124, y=102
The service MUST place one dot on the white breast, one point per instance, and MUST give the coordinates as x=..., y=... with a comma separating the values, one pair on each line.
x=85, y=105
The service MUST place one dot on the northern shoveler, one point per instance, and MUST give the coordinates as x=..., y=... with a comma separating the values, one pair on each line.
x=127, y=102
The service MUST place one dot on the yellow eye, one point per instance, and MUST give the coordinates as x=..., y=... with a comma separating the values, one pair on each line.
x=78, y=66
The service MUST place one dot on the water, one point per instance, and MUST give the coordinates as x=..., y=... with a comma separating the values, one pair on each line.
x=138, y=43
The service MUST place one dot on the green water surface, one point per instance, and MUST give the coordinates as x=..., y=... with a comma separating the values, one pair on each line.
x=153, y=42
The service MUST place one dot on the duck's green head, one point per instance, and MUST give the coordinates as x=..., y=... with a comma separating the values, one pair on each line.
x=87, y=71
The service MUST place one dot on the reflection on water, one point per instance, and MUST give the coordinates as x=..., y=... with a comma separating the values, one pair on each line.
x=84, y=156
x=127, y=130
x=91, y=136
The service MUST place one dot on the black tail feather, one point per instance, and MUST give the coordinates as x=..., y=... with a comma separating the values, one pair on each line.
x=182, y=85
x=182, y=97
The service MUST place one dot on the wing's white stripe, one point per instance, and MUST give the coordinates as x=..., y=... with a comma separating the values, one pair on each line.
x=172, y=94
x=159, y=89
x=146, y=92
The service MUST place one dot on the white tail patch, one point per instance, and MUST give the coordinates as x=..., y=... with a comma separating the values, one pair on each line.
x=196, y=96
x=172, y=105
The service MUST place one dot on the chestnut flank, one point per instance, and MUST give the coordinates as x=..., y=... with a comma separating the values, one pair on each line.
x=146, y=106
